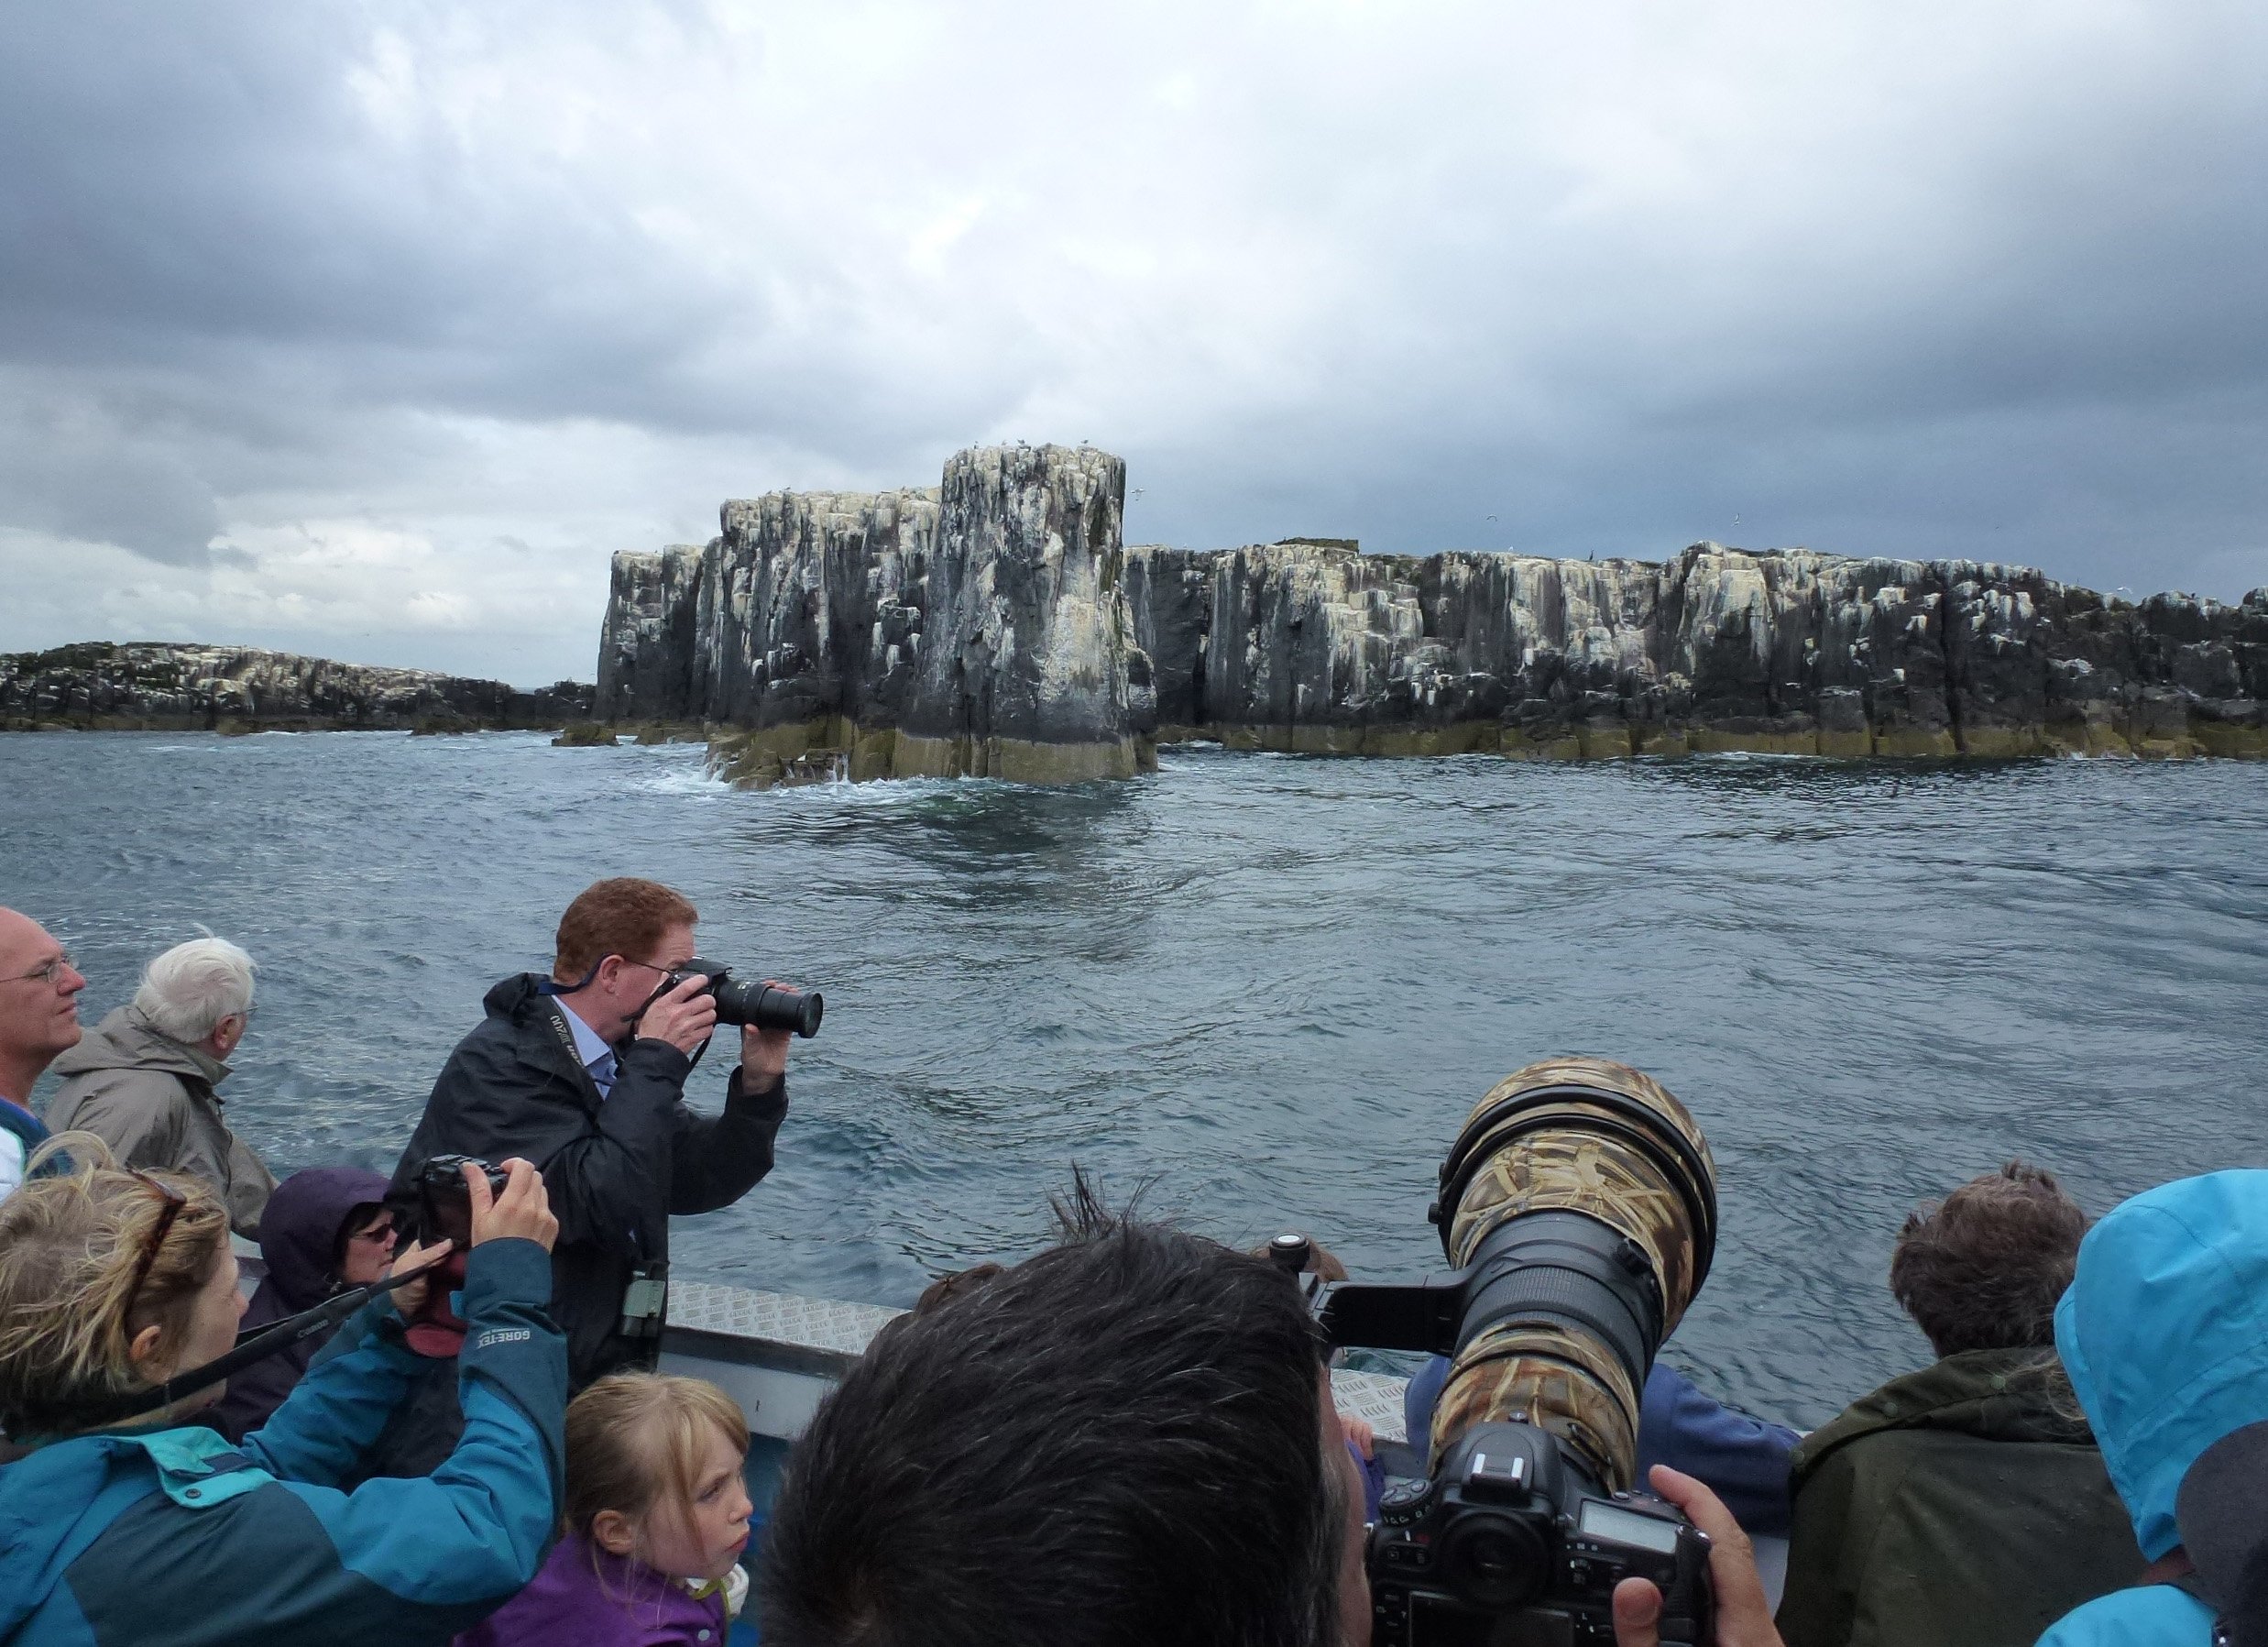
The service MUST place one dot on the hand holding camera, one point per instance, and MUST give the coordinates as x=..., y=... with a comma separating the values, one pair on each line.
x=522, y=1211
x=1744, y=1613
x=683, y=1015
x=410, y=1299
x=465, y=1201
x=701, y=994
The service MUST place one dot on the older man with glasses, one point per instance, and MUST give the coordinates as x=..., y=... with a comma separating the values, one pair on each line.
x=38, y=1020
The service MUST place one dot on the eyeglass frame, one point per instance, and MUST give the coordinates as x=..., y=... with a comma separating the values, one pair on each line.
x=48, y=971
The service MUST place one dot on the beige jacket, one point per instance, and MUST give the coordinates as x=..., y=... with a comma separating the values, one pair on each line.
x=150, y=1098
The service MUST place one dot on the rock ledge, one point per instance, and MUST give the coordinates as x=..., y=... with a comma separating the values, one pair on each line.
x=998, y=625
x=163, y=686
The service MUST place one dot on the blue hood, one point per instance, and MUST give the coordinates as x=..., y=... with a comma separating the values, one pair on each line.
x=2164, y=1333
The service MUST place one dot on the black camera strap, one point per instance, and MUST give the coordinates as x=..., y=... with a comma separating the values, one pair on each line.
x=552, y=986
x=557, y=1017
x=260, y=1344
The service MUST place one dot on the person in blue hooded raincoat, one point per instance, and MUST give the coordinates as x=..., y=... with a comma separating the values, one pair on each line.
x=156, y=1530
x=2165, y=1336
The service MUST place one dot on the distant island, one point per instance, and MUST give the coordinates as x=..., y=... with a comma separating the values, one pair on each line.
x=159, y=685
x=997, y=624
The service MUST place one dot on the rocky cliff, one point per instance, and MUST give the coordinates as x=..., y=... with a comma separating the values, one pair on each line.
x=980, y=628
x=159, y=685
x=998, y=625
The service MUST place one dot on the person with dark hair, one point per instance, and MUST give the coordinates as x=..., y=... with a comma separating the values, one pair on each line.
x=1965, y=1504
x=1126, y=1441
x=1127, y=1438
x=325, y=1229
x=584, y=1074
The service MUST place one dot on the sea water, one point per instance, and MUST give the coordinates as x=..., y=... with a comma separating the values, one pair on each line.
x=1262, y=992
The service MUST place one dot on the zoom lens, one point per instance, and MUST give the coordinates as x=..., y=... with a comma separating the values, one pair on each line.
x=1582, y=1199
x=769, y=1006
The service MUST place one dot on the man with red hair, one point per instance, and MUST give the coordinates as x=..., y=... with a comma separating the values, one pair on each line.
x=583, y=1073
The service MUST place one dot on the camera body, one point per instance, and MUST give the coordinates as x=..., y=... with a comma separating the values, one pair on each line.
x=1509, y=1545
x=1578, y=1207
x=740, y=1000
x=446, y=1201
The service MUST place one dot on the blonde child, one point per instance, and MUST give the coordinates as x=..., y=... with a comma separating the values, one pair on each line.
x=656, y=1518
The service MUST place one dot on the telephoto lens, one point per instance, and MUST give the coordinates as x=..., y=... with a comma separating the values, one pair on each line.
x=1582, y=1198
x=1578, y=1207
x=760, y=1005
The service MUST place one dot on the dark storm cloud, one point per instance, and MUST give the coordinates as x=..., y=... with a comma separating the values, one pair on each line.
x=1895, y=280
x=205, y=224
x=196, y=186
x=2057, y=355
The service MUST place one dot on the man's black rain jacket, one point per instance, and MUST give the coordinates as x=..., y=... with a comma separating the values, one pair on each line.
x=616, y=1169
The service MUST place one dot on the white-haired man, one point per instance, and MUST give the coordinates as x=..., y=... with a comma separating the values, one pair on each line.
x=39, y=1018
x=143, y=1079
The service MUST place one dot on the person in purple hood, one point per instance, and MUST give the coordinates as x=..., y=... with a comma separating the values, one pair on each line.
x=324, y=1229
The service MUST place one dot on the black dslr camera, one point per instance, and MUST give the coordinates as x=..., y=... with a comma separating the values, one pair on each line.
x=763, y=1006
x=1580, y=1207
x=1509, y=1546
x=445, y=1201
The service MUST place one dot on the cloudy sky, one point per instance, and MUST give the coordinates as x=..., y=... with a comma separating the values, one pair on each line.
x=373, y=330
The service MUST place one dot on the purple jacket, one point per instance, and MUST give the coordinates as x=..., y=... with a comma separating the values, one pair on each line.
x=300, y=1230
x=585, y=1597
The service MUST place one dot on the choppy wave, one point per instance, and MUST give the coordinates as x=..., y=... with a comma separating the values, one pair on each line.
x=1267, y=986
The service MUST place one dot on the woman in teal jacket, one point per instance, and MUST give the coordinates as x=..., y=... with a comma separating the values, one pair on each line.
x=2165, y=1334
x=160, y=1532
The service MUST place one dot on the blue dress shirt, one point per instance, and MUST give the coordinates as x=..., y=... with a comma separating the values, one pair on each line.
x=596, y=1056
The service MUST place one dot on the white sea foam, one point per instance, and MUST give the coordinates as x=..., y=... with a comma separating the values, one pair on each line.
x=684, y=780
x=875, y=794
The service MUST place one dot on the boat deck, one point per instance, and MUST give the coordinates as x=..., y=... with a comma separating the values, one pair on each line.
x=777, y=1354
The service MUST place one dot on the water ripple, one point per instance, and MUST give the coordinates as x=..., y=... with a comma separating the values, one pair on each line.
x=1267, y=987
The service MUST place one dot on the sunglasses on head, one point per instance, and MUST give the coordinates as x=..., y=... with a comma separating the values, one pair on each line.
x=252, y=1346
x=174, y=1201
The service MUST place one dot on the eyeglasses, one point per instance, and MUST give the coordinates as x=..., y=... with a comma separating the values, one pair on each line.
x=174, y=1201
x=49, y=972
x=377, y=1232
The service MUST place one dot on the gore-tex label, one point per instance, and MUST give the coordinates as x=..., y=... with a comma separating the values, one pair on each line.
x=496, y=1335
